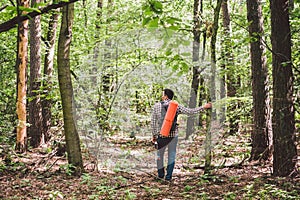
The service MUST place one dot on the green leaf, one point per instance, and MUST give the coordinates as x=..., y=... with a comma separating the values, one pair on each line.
x=147, y=11
x=175, y=67
x=153, y=23
x=184, y=66
x=13, y=8
x=146, y=21
x=157, y=7
x=41, y=4
x=172, y=20
x=168, y=52
x=175, y=28
x=176, y=57
x=187, y=188
x=25, y=9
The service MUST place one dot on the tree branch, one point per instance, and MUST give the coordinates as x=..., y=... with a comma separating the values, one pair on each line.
x=6, y=26
x=3, y=8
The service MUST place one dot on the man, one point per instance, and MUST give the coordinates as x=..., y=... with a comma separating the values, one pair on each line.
x=172, y=140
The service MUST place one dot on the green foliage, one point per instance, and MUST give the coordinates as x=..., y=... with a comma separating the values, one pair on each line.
x=188, y=188
x=86, y=179
x=8, y=85
x=69, y=169
x=129, y=195
x=155, y=16
x=105, y=189
x=230, y=195
x=294, y=21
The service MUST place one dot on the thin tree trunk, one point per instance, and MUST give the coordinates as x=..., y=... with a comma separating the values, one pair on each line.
x=196, y=72
x=48, y=70
x=283, y=120
x=21, y=143
x=260, y=92
x=106, y=77
x=212, y=116
x=66, y=89
x=226, y=53
x=35, y=108
x=98, y=23
x=228, y=86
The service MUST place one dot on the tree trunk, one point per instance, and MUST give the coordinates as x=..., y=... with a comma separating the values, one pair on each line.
x=48, y=70
x=103, y=110
x=66, y=89
x=196, y=72
x=212, y=117
x=226, y=54
x=283, y=119
x=95, y=68
x=21, y=143
x=260, y=92
x=228, y=84
x=35, y=108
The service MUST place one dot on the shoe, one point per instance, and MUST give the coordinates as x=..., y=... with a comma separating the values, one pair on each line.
x=169, y=181
x=158, y=179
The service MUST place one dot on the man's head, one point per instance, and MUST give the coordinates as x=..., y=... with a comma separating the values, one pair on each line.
x=169, y=93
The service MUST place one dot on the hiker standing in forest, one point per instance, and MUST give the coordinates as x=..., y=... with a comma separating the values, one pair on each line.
x=170, y=141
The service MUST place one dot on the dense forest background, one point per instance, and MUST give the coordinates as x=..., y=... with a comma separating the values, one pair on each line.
x=79, y=79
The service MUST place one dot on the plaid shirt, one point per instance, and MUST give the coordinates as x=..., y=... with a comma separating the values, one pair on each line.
x=156, y=117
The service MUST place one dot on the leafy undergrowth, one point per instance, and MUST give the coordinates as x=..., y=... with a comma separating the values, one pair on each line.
x=41, y=175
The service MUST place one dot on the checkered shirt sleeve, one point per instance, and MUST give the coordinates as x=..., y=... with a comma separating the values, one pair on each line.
x=189, y=111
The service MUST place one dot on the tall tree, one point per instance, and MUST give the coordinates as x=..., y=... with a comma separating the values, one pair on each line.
x=98, y=23
x=260, y=91
x=107, y=72
x=35, y=108
x=66, y=89
x=226, y=54
x=21, y=144
x=196, y=71
x=48, y=71
x=228, y=84
x=283, y=119
x=213, y=117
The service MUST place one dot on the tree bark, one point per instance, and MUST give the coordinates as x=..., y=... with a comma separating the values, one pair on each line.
x=66, y=89
x=212, y=117
x=107, y=76
x=213, y=52
x=48, y=71
x=196, y=72
x=35, y=109
x=229, y=84
x=225, y=54
x=260, y=91
x=283, y=119
x=21, y=143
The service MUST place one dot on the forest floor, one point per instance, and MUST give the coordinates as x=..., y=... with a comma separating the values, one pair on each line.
x=43, y=174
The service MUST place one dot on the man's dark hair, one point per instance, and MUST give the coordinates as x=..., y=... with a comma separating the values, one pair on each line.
x=169, y=93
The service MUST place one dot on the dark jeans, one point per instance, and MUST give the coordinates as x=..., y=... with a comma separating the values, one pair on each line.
x=163, y=143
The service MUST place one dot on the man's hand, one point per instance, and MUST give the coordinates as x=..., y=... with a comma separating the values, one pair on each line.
x=154, y=139
x=207, y=106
